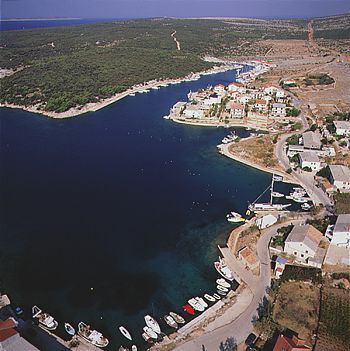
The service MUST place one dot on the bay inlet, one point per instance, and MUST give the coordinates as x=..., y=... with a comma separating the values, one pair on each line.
x=116, y=214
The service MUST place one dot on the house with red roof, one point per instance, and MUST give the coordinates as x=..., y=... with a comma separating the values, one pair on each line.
x=284, y=343
x=234, y=86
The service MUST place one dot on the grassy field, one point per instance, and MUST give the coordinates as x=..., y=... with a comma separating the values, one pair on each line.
x=257, y=150
x=334, y=328
x=296, y=308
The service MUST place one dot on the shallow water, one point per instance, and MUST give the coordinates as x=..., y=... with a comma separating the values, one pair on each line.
x=116, y=213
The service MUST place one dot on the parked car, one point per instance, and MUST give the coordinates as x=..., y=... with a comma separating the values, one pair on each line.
x=250, y=339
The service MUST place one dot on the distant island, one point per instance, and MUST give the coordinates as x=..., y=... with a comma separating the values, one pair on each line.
x=39, y=19
x=64, y=71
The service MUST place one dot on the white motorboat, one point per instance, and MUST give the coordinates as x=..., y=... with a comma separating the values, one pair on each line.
x=202, y=302
x=221, y=267
x=306, y=206
x=221, y=288
x=209, y=298
x=125, y=332
x=170, y=321
x=177, y=318
x=69, y=329
x=132, y=94
x=92, y=336
x=152, y=323
x=217, y=297
x=267, y=207
x=196, y=305
x=276, y=194
x=45, y=320
x=223, y=293
x=234, y=218
x=166, y=117
x=133, y=348
x=301, y=200
x=150, y=332
x=155, y=88
x=223, y=283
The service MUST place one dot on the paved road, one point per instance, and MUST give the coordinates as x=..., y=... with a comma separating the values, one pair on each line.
x=239, y=329
x=305, y=179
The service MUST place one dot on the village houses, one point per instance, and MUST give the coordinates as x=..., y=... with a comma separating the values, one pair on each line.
x=342, y=127
x=340, y=177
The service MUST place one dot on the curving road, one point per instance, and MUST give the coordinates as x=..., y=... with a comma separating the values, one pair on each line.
x=241, y=327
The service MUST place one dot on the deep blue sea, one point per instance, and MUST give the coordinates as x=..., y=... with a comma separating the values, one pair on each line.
x=30, y=24
x=118, y=213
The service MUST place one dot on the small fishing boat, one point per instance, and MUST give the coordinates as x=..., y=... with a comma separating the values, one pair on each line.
x=221, y=267
x=221, y=288
x=125, y=332
x=177, y=318
x=301, y=200
x=306, y=206
x=223, y=283
x=220, y=292
x=132, y=94
x=69, y=329
x=152, y=323
x=92, y=336
x=133, y=348
x=150, y=332
x=209, y=298
x=196, y=305
x=217, y=297
x=45, y=320
x=188, y=308
x=170, y=321
x=277, y=194
x=147, y=338
x=202, y=302
x=234, y=217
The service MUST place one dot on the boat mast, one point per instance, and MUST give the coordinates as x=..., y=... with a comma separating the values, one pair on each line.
x=272, y=183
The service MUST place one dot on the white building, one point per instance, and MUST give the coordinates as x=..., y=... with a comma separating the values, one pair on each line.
x=303, y=243
x=342, y=127
x=272, y=89
x=279, y=110
x=237, y=110
x=261, y=105
x=311, y=160
x=244, y=99
x=340, y=177
x=341, y=231
x=280, y=94
x=311, y=140
x=193, y=111
x=212, y=99
x=220, y=89
x=234, y=86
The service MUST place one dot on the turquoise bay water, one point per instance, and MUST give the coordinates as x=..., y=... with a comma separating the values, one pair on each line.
x=117, y=213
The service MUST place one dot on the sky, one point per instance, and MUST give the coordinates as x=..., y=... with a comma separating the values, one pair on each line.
x=171, y=8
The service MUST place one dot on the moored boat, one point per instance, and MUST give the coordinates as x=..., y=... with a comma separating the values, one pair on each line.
x=306, y=206
x=209, y=298
x=69, y=329
x=220, y=292
x=196, y=305
x=276, y=194
x=201, y=301
x=92, y=336
x=152, y=323
x=217, y=297
x=221, y=267
x=267, y=207
x=223, y=283
x=133, y=348
x=189, y=309
x=150, y=332
x=177, y=318
x=45, y=320
x=125, y=332
x=221, y=288
x=170, y=321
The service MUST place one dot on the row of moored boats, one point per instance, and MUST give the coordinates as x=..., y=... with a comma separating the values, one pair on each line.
x=151, y=331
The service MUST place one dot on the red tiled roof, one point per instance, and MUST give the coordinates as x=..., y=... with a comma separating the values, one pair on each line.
x=8, y=324
x=286, y=344
x=237, y=106
x=260, y=101
x=236, y=84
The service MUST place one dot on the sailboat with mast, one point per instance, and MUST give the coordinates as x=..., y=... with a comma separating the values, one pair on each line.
x=269, y=206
